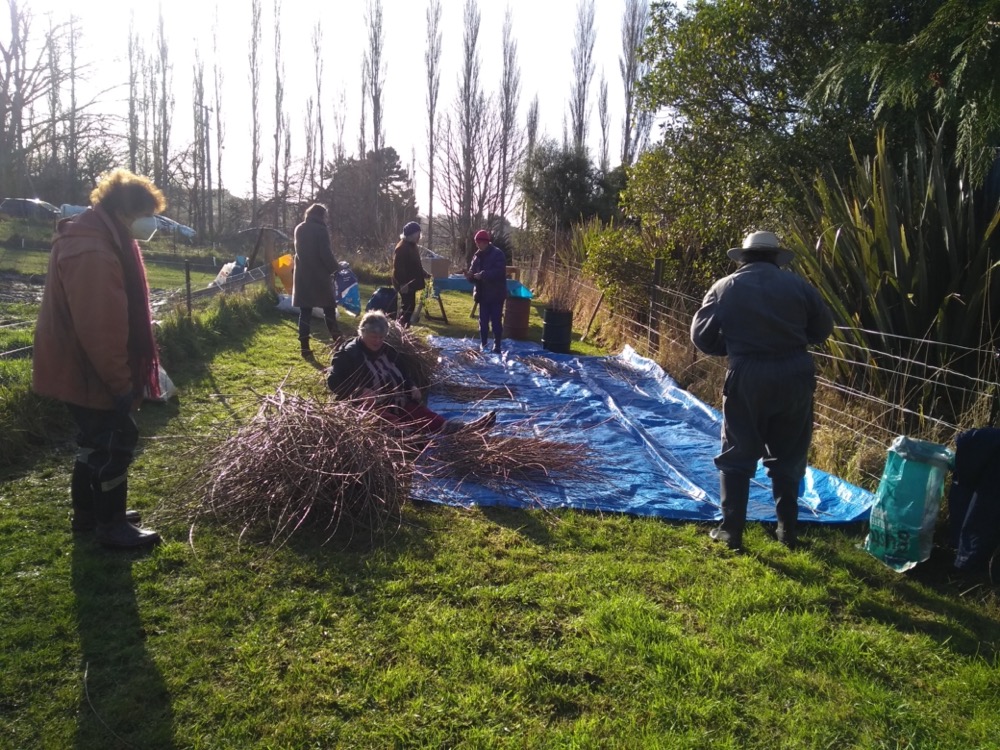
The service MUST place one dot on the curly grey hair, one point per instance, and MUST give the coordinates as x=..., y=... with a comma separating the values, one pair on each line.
x=374, y=321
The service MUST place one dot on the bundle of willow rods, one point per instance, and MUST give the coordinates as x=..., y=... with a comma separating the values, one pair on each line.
x=513, y=460
x=301, y=463
x=422, y=360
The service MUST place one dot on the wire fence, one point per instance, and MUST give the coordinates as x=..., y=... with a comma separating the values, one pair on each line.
x=867, y=394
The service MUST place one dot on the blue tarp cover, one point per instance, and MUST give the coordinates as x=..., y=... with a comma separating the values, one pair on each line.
x=461, y=284
x=654, y=443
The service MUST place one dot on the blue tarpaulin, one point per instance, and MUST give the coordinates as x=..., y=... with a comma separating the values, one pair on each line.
x=653, y=443
x=461, y=284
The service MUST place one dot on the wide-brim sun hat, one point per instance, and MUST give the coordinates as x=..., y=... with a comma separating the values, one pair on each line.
x=765, y=242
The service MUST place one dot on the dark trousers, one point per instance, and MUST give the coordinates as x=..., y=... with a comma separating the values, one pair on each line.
x=767, y=409
x=305, y=322
x=407, y=304
x=106, y=444
x=491, y=314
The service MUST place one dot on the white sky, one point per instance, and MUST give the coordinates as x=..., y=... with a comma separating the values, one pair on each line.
x=544, y=30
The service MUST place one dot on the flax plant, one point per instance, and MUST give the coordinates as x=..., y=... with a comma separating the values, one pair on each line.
x=904, y=254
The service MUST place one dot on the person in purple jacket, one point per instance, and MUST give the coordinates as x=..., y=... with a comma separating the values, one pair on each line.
x=763, y=319
x=488, y=274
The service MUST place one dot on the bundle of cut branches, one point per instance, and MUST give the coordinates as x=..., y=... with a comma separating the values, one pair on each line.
x=422, y=359
x=301, y=463
x=513, y=460
x=469, y=392
x=543, y=365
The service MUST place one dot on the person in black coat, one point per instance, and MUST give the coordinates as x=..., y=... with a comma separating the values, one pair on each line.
x=312, y=279
x=408, y=274
x=373, y=372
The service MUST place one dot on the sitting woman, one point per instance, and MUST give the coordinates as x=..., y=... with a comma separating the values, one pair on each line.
x=371, y=370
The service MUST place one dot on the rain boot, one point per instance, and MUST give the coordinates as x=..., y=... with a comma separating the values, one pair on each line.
x=81, y=493
x=734, y=494
x=113, y=529
x=786, y=508
x=304, y=348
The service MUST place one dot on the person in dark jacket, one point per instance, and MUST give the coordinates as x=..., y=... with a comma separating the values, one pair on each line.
x=488, y=274
x=373, y=372
x=312, y=278
x=94, y=348
x=763, y=319
x=408, y=274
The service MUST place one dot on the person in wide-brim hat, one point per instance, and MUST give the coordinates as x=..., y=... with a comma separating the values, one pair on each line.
x=763, y=319
x=761, y=242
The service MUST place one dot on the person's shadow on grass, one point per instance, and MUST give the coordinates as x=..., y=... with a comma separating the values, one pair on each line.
x=124, y=701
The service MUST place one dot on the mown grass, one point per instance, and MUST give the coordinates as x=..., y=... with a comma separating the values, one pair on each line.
x=464, y=628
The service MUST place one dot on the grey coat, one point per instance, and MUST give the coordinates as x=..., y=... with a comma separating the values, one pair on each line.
x=312, y=282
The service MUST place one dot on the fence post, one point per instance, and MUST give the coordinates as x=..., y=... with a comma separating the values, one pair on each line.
x=187, y=283
x=653, y=339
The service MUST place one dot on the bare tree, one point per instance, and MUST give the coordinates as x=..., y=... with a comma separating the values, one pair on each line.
x=286, y=174
x=635, y=129
x=219, y=128
x=54, y=61
x=362, y=124
x=375, y=69
x=531, y=140
x=255, y=159
x=135, y=56
x=316, y=140
x=201, y=197
x=73, y=115
x=470, y=107
x=510, y=141
x=279, y=101
x=161, y=164
x=432, y=59
x=583, y=72
x=602, y=113
x=339, y=123
x=308, y=171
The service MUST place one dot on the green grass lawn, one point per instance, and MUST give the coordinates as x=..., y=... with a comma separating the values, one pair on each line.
x=166, y=274
x=480, y=628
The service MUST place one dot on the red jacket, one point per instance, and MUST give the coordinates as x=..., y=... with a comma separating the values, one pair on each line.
x=81, y=338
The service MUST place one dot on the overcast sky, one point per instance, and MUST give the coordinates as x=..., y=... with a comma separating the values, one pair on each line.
x=544, y=30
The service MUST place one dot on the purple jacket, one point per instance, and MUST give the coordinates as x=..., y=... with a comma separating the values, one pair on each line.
x=493, y=264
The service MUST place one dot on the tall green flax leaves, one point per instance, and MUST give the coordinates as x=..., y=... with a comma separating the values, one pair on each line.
x=905, y=253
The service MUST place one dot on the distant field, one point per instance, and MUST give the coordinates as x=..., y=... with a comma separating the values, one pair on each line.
x=161, y=274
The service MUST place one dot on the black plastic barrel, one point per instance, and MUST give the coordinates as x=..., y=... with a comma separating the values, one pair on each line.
x=557, y=330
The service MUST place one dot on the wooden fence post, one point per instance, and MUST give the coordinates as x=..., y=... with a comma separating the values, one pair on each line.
x=187, y=283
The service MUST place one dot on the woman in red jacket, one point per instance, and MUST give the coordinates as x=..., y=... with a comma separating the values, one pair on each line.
x=94, y=347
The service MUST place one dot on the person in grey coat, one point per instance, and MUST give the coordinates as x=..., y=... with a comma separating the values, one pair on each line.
x=312, y=277
x=764, y=319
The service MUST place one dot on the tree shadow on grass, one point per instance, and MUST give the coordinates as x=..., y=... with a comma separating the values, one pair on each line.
x=925, y=600
x=125, y=701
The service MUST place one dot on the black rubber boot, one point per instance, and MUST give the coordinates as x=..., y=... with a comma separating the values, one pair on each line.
x=81, y=493
x=734, y=494
x=113, y=530
x=786, y=508
x=304, y=349
x=496, y=347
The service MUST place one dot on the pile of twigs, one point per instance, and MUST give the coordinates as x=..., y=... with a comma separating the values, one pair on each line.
x=543, y=365
x=512, y=460
x=300, y=463
x=468, y=392
x=422, y=360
